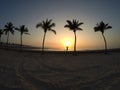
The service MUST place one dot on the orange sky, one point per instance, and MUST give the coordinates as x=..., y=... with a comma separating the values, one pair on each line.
x=33, y=11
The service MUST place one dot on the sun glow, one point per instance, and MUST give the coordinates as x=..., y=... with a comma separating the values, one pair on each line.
x=67, y=43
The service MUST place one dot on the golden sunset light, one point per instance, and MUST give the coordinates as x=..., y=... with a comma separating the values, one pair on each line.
x=67, y=42
x=59, y=45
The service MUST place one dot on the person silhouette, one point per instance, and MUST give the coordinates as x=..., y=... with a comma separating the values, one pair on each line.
x=67, y=48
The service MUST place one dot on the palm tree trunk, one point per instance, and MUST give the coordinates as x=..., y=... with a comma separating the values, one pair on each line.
x=21, y=39
x=7, y=37
x=75, y=42
x=43, y=42
x=105, y=42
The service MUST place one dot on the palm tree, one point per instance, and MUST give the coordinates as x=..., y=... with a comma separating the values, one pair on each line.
x=74, y=25
x=46, y=26
x=102, y=27
x=23, y=30
x=1, y=33
x=8, y=28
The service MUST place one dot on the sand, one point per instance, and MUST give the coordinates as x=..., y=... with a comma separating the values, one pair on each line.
x=59, y=71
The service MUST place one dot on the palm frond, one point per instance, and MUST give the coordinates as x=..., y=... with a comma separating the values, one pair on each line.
x=96, y=29
x=79, y=29
x=106, y=25
x=52, y=25
x=80, y=23
x=53, y=31
x=66, y=26
x=49, y=21
x=39, y=25
x=74, y=22
x=69, y=22
x=109, y=27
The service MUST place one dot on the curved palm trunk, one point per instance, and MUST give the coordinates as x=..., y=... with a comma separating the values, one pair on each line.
x=43, y=42
x=75, y=42
x=21, y=39
x=7, y=37
x=105, y=42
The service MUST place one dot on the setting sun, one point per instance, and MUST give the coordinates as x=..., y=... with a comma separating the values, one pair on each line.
x=67, y=43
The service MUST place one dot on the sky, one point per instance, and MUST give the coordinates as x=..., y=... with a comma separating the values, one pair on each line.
x=31, y=12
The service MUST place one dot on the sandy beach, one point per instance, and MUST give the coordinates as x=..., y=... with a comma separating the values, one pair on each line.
x=59, y=71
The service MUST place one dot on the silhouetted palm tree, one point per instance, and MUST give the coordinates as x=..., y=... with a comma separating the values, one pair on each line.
x=102, y=27
x=1, y=33
x=46, y=26
x=8, y=28
x=74, y=26
x=23, y=30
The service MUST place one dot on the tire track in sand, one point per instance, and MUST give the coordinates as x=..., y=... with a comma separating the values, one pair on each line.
x=30, y=83
x=20, y=73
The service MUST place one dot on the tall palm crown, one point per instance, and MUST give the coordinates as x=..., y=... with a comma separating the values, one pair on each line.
x=1, y=32
x=8, y=28
x=74, y=25
x=46, y=26
x=23, y=30
x=102, y=27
